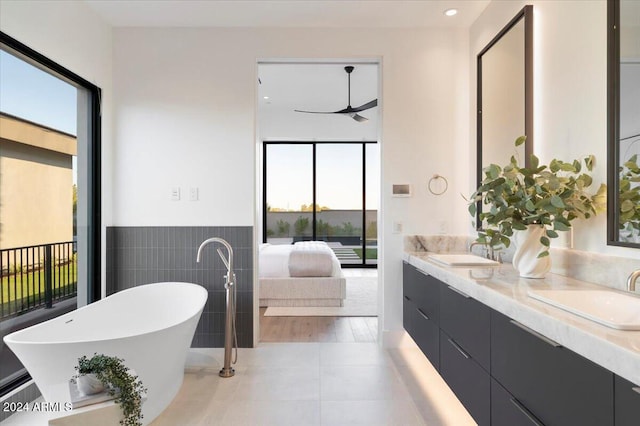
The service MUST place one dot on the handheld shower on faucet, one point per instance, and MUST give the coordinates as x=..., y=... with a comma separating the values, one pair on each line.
x=230, y=278
x=230, y=337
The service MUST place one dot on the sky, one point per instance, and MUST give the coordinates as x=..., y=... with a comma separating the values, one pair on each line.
x=339, y=176
x=30, y=93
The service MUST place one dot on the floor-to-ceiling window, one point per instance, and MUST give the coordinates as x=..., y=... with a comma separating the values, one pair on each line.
x=49, y=194
x=324, y=191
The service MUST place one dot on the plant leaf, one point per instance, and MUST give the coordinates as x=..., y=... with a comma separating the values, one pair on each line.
x=520, y=140
x=543, y=254
x=556, y=201
x=551, y=233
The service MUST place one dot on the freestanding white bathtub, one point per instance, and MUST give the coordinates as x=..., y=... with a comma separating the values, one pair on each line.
x=149, y=326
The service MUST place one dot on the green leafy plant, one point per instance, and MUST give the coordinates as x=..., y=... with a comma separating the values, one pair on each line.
x=300, y=225
x=115, y=376
x=629, y=196
x=514, y=197
x=283, y=228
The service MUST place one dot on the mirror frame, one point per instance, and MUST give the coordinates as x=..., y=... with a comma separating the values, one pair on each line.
x=613, y=124
x=525, y=14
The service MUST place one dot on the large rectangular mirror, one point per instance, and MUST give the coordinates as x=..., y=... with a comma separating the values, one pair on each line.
x=624, y=123
x=505, y=96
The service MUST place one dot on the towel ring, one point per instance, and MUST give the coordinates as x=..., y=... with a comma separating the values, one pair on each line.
x=434, y=178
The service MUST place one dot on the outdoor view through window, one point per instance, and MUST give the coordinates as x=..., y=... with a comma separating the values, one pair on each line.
x=342, y=178
x=38, y=197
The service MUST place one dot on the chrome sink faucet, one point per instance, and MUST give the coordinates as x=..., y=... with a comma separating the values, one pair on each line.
x=490, y=252
x=631, y=281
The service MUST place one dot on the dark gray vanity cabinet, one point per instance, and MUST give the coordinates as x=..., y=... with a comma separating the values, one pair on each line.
x=421, y=311
x=452, y=330
x=504, y=373
x=466, y=378
x=465, y=326
x=627, y=403
x=467, y=322
x=548, y=382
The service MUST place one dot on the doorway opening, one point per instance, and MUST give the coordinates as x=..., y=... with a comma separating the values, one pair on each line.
x=319, y=175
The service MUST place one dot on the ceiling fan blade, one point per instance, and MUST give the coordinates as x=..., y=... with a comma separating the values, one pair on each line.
x=366, y=106
x=351, y=112
x=316, y=112
x=359, y=118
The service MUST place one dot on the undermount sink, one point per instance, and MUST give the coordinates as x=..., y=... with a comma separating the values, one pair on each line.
x=610, y=308
x=462, y=260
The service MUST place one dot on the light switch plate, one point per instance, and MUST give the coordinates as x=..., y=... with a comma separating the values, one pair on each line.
x=175, y=193
x=397, y=227
x=193, y=193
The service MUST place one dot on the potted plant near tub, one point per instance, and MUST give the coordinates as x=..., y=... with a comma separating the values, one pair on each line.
x=531, y=204
x=107, y=372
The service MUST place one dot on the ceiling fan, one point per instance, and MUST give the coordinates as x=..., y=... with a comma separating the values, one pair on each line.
x=350, y=111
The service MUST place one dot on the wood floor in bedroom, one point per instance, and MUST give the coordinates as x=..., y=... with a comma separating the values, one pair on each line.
x=322, y=329
x=318, y=329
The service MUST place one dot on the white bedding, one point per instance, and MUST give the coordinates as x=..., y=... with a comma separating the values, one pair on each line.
x=302, y=259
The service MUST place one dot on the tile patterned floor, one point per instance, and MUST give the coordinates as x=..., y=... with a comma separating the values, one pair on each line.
x=315, y=384
x=309, y=384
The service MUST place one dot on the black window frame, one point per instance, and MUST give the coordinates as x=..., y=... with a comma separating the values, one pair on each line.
x=314, y=144
x=94, y=215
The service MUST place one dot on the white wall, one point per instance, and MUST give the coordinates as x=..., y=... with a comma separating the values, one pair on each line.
x=185, y=116
x=570, y=86
x=72, y=35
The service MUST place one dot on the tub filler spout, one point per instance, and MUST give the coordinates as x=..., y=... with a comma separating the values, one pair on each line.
x=230, y=336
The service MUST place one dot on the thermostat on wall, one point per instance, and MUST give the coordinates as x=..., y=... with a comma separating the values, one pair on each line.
x=401, y=190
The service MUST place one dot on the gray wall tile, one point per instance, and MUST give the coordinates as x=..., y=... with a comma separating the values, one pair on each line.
x=145, y=255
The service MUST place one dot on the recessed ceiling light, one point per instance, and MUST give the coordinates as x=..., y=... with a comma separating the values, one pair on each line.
x=451, y=12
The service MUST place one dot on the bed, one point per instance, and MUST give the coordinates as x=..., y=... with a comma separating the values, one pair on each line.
x=306, y=273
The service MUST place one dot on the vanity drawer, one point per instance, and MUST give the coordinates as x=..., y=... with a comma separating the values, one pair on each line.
x=558, y=386
x=627, y=403
x=470, y=382
x=426, y=334
x=468, y=322
x=423, y=290
x=409, y=282
x=407, y=314
x=506, y=410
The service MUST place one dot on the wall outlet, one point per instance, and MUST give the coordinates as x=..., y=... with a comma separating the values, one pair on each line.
x=397, y=227
x=175, y=193
x=443, y=227
x=193, y=194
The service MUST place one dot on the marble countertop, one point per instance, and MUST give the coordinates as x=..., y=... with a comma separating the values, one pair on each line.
x=500, y=288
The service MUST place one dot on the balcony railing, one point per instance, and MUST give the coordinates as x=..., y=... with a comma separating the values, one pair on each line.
x=37, y=276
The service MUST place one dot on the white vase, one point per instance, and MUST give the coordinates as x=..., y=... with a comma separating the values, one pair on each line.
x=528, y=247
x=88, y=384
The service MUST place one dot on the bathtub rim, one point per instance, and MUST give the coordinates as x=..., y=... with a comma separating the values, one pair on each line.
x=204, y=295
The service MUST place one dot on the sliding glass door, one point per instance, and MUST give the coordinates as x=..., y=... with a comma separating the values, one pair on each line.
x=288, y=210
x=323, y=191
